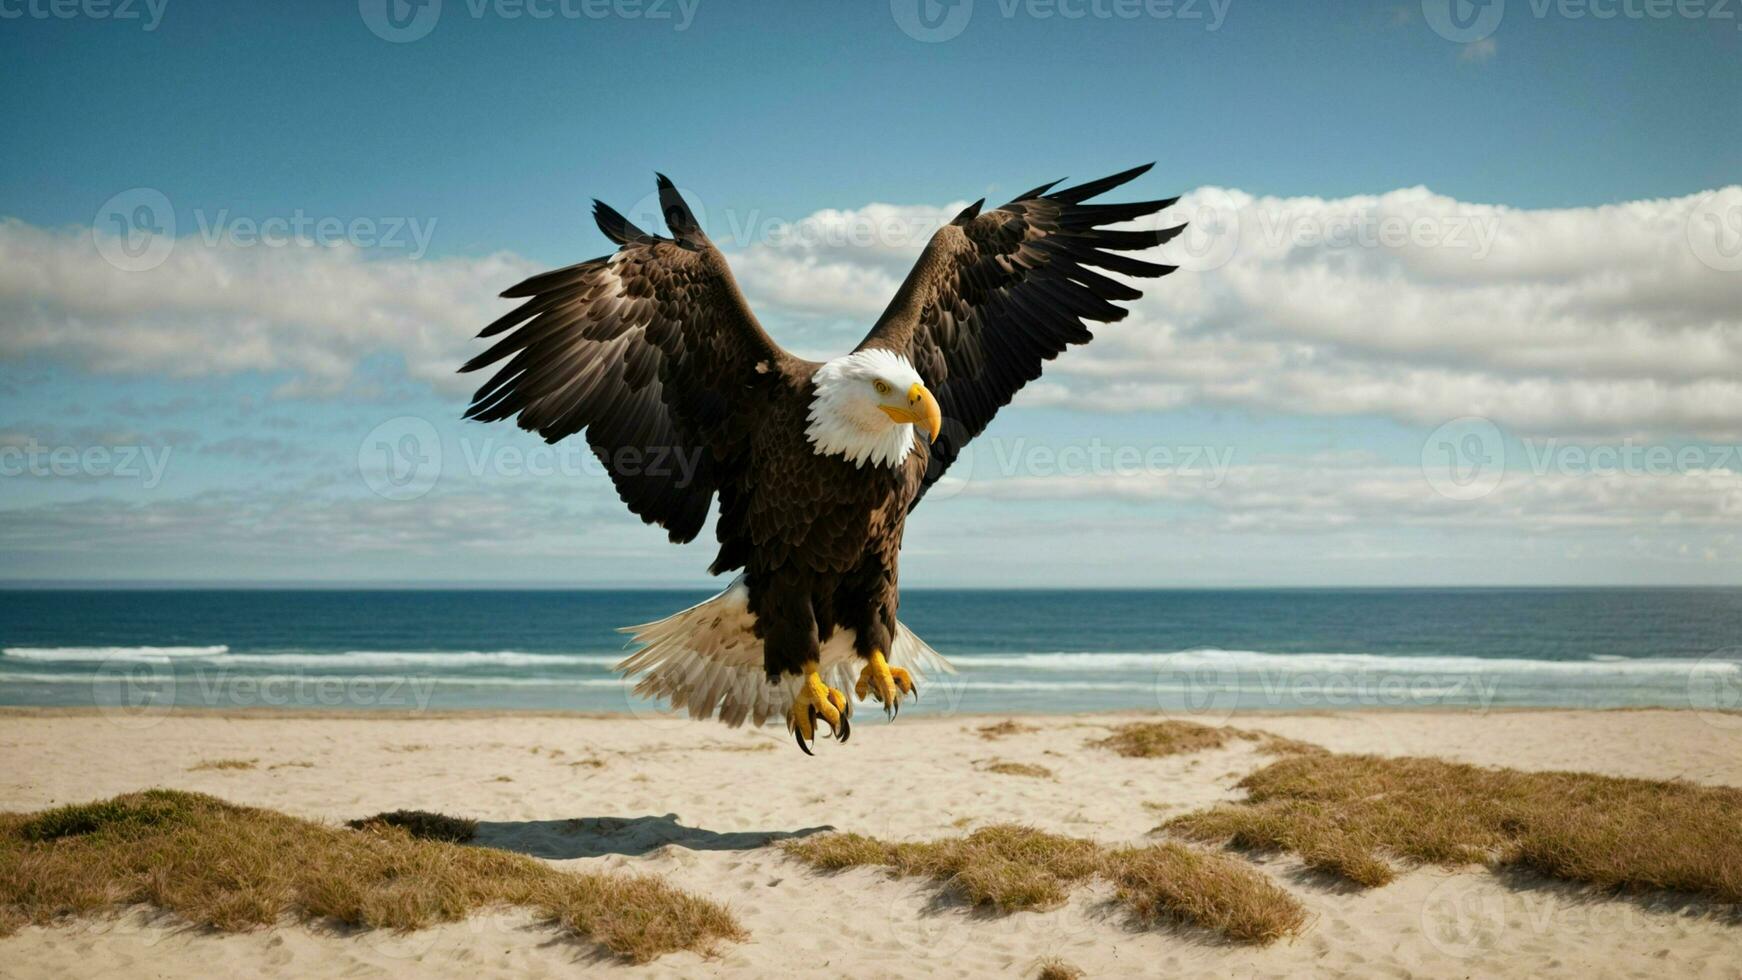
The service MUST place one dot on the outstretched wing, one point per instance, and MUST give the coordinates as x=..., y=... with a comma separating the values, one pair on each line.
x=651, y=351
x=996, y=295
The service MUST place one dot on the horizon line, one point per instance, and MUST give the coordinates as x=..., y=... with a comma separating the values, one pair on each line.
x=77, y=585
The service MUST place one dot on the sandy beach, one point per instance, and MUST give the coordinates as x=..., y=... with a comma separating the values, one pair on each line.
x=700, y=805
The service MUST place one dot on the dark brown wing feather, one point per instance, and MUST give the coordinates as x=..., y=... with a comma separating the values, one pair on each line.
x=652, y=351
x=996, y=295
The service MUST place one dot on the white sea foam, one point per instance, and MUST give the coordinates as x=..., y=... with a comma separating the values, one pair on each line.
x=345, y=659
x=262, y=680
x=424, y=658
x=1148, y=662
x=970, y=684
x=98, y=654
x=1320, y=690
x=1344, y=663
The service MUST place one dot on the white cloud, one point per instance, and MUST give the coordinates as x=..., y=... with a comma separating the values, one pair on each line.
x=1321, y=496
x=311, y=312
x=1412, y=306
x=323, y=528
x=1408, y=305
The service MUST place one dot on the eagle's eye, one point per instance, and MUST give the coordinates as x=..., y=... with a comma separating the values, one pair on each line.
x=881, y=386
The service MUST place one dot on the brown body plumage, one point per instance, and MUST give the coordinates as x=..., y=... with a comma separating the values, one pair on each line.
x=653, y=352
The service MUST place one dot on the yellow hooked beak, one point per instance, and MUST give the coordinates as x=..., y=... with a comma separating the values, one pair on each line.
x=921, y=409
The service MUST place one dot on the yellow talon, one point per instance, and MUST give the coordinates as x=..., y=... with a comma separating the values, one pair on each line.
x=885, y=683
x=817, y=701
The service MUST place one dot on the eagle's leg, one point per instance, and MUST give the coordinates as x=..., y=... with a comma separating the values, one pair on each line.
x=885, y=683
x=815, y=702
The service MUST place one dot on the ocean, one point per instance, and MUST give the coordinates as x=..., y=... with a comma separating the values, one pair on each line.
x=1208, y=652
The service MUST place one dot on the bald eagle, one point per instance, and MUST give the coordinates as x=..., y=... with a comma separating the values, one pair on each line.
x=653, y=352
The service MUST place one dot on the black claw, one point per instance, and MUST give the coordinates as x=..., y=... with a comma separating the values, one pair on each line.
x=798, y=737
x=846, y=729
x=896, y=713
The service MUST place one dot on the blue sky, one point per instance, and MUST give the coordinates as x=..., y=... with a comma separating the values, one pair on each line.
x=503, y=127
x=1589, y=146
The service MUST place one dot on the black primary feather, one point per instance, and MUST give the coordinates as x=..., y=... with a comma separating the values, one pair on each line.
x=998, y=294
x=678, y=217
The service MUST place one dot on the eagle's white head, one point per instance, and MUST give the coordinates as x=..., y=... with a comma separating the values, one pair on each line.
x=866, y=406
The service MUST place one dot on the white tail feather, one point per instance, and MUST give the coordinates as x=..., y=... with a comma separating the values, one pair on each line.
x=708, y=661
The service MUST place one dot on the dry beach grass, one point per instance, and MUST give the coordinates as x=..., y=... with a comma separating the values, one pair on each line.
x=1004, y=767
x=1011, y=868
x=544, y=887
x=420, y=824
x=233, y=868
x=1159, y=739
x=1053, y=968
x=1353, y=815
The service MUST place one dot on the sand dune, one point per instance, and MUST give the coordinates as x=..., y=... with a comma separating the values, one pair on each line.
x=700, y=805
